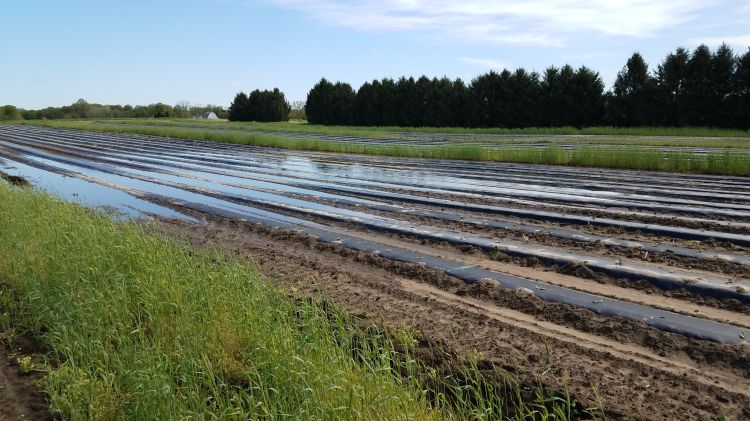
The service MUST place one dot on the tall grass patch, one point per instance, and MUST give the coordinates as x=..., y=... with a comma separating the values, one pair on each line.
x=143, y=328
x=390, y=131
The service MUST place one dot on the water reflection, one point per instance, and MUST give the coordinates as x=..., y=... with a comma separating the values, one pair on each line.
x=125, y=206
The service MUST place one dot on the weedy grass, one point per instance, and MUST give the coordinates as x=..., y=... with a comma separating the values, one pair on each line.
x=394, y=131
x=143, y=327
x=633, y=157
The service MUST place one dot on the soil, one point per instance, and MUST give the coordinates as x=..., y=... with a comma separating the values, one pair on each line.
x=673, y=219
x=15, y=180
x=545, y=238
x=634, y=370
x=665, y=259
x=21, y=396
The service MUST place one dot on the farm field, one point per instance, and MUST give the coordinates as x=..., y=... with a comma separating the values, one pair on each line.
x=694, y=151
x=629, y=290
x=663, y=134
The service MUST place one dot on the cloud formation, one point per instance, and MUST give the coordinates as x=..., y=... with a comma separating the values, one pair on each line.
x=486, y=63
x=524, y=22
x=739, y=42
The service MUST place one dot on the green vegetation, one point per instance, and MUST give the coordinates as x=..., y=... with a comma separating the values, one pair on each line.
x=9, y=113
x=623, y=157
x=260, y=106
x=655, y=136
x=704, y=89
x=141, y=327
x=82, y=109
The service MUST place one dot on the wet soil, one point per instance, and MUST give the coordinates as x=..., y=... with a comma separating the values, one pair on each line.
x=666, y=258
x=577, y=270
x=633, y=368
x=21, y=394
x=661, y=218
x=15, y=180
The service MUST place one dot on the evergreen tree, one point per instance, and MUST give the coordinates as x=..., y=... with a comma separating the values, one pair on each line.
x=740, y=102
x=572, y=97
x=699, y=89
x=408, y=102
x=376, y=104
x=588, y=98
x=266, y=106
x=260, y=106
x=445, y=103
x=526, y=91
x=633, y=95
x=388, y=102
x=492, y=96
x=364, y=108
x=723, y=63
x=330, y=104
x=343, y=104
x=318, y=104
x=670, y=80
x=556, y=101
x=237, y=108
x=696, y=89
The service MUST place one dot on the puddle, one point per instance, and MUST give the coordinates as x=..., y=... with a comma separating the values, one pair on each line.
x=89, y=194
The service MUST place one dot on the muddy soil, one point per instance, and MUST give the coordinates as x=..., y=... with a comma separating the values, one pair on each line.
x=707, y=266
x=619, y=233
x=661, y=218
x=542, y=238
x=21, y=395
x=635, y=370
x=15, y=180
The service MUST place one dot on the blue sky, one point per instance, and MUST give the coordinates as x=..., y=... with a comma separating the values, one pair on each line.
x=204, y=51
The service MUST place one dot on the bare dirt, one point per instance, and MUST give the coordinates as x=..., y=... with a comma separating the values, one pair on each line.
x=706, y=266
x=675, y=218
x=15, y=180
x=634, y=370
x=21, y=396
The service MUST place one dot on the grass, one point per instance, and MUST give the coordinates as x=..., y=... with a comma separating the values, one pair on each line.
x=142, y=327
x=393, y=131
x=723, y=162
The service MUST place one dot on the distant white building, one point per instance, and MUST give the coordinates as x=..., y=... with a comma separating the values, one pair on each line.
x=207, y=116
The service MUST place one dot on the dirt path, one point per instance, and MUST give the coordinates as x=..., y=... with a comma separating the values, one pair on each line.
x=634, y=370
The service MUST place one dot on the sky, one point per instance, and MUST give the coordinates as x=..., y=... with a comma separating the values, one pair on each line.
x=54, y=52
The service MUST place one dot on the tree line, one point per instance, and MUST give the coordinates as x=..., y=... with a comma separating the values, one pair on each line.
x=260, y=106
x=698, y=88
x=83, y=109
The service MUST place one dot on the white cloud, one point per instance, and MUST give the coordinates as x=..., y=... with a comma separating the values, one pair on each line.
x=527, y=22
x=486, y=63
x=587, y=55
x=234, y=84
x=741, y=42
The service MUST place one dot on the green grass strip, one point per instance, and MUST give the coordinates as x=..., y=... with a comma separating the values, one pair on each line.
x=595, y=136
x=383, y=131
x=725, y=162
x=147, y=329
